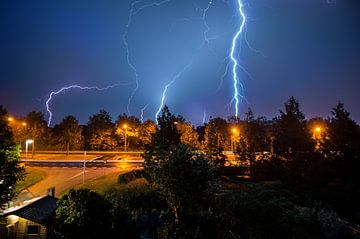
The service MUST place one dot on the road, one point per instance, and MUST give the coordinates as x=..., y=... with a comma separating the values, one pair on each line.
x=65, y=174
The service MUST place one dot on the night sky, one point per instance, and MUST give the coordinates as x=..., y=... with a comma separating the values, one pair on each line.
x=306, y=48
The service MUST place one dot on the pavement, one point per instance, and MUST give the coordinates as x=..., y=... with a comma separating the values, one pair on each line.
x=64, y=174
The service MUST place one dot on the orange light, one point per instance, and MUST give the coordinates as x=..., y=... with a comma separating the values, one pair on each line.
x=23, y=124
x=318, y=129
x=125, y=126
x=10, y=119
x=234, y=130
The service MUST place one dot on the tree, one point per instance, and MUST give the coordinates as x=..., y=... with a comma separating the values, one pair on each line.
x=255, y=132
x=343, y=144
x=216, y=135
x=189, y=136
x=37, y=129
x=99, y=130
x=344, y=134
x=146, y=130
x=165, y=136
x=168, y=133
x=132, y=124
x=83, y=214
x=69, y=134
x=183, y=179
x=103, y=140
x=10, y=170
x=291, y=133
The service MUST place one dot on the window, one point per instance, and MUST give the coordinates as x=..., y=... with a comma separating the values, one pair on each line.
x=33, y=230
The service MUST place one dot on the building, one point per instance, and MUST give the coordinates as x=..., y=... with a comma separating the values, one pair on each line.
x=31, y=220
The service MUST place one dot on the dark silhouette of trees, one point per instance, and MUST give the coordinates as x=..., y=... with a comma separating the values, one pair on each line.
x=83, y=214
x=344, y=135
x=68, y=134
x=164, y=137
x=216, y=137
x=290, y=131
x=10, y=170
x=182, y=176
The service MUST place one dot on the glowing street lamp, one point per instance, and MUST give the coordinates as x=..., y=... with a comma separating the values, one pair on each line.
x=23, y=123
x=125, y=143
x=317, y=132
x=10, y=119
x=235, y=134
x=27, y=142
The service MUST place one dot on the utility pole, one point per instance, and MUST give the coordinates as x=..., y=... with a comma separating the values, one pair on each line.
x=84, y=167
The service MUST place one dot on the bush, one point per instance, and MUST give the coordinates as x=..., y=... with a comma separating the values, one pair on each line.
x=83, y=214
x=131, y=176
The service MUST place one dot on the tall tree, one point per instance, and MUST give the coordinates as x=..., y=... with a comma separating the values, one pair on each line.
x=100, y=129
x=132, y=124
x=83, y=214
x=37, y=130
x=344, y=134
x=343, y=145
x=10, y=170
x=216, y=137
x=189, y=136
x=162, y=140
x=184, y=178
x=291, y=133
x=146, y=130
x=68, y=134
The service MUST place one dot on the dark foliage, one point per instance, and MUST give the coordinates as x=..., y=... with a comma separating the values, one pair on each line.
x=10, y=170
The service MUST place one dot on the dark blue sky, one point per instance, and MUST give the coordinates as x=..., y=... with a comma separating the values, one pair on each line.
x=311, y=48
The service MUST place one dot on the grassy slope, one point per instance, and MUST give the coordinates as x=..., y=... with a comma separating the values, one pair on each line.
x=33, y=176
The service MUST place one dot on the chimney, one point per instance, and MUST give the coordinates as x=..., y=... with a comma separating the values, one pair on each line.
x=51, y=192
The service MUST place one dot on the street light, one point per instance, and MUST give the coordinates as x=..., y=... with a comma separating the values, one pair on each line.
x=235, y=134
x=317, y=136
x=23, y=123
x=125, y=127
x=10, y=119
x=317, y=132
x=27, y=142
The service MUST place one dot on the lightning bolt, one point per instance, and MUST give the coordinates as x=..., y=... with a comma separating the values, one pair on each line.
x=179, y=74
x=142, y=113
x=132, y=13
x=175, y=78
x=234, y=60
x=65, y=88
x=207, y=28
x=204, y=117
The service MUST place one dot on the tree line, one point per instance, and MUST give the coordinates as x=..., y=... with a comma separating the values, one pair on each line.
x=306, y=188
x=102, y=133
x=290, y=178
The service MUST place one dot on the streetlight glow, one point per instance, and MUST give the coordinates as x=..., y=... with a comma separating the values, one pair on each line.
x=27, y=142
x=10, y=119
x=125, y=135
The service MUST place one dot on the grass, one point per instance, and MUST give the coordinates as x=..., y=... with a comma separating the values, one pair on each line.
x=33, y=176
x=102, y=184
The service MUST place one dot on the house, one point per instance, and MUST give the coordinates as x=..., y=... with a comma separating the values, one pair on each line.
x=30, y=220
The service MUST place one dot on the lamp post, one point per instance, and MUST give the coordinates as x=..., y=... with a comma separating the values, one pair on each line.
x=317, y=136
x=27, y=142
x=235, y=132
x=125, y=136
